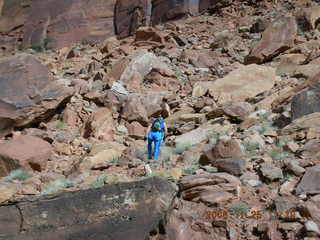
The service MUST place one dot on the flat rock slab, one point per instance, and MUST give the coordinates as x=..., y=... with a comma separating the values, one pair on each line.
x=68, y=22
x=120, y=211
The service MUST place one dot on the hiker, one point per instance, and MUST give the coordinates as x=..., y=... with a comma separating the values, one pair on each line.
x=156, y=133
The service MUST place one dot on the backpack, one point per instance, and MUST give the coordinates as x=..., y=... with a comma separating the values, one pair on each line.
x=157, y=125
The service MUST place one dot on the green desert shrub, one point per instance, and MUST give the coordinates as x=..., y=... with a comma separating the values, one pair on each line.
x=99, y=182
x=239, y=208
x=57, y=186
x=18, y=174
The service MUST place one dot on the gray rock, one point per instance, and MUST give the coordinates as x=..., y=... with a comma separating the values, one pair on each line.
x=306, y=102
x=311, y=226
x=295, y=168
x=271, y=172
x=234, y=166
x=310, y=183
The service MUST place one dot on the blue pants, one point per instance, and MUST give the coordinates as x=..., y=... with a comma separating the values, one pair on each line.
x=156, y=138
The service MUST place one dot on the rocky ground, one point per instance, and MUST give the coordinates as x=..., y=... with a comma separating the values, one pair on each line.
x=240, y=92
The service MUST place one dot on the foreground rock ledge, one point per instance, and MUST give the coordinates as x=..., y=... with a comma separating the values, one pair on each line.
x=120, y=211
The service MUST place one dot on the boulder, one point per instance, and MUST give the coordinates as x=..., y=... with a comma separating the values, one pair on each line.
x=100, y=125
x=234, y=166
x=185, y=216
x=201, y=88
x=134, y=110
x=271, y=172
x=136, y=130
x=242, y=83
x=306, y=101
x=311, y=208
x=21, y=105
x=193, y=137
x=215, y=189
x=225, y=148
x=277, y=38
x=102, y=159
x=310, y=121
x=309, y=183
x=237, y=110
x=117, y=211
x=149, y=34
x=24, y=151
x=140, y=61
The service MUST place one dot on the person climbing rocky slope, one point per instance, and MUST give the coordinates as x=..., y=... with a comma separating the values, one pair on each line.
x=241, y=159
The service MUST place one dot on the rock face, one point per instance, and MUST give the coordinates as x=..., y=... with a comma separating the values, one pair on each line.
x=125, y=210
x=60, y=23
x=277, y=38
x=21, y=105
x=310, y=181
x=68, y=22
x=24, y=151
x=306, y=102
x=242, y=83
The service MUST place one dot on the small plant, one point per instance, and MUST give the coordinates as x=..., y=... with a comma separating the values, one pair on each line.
x=18, y=174
x=239, y=208
x=286, y=177
x=180, y=75
x=302, y=79
x=250, y=146
x=278, y=154
x=57, y=186
x=37, y=48
x=60, y=125
x=180, y=148
x=190, y=169
x=115, y=160
x=46, y=42
x=99, y=182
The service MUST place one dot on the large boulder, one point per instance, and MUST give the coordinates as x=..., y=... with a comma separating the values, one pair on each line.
x=215, y=189
x=200, y=134
x=309, y=184
x=139, y=62
x=304, y=123
x=24, y=151
x=28, y=94
x=120, y=211
x=242, y=83
x=100, y=125
x=277, y=38
x=306, y=101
